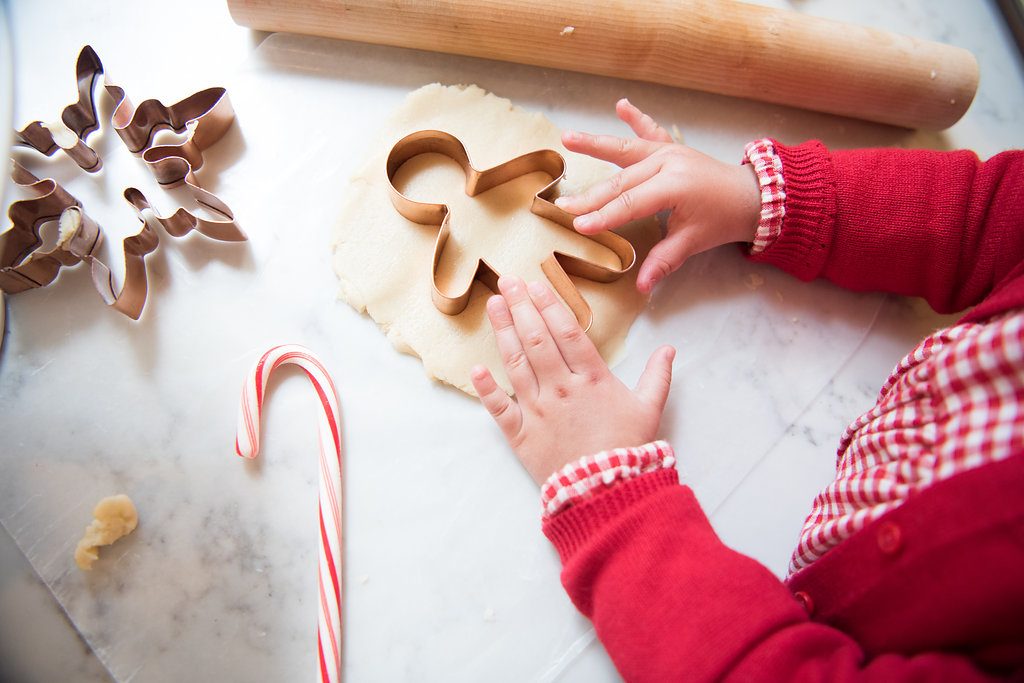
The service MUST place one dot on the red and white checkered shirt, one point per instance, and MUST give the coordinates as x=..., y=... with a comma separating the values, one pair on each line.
x=768, y=166
x=590, y=474
x=954, y=403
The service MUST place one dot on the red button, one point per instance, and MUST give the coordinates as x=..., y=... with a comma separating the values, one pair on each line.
x=805, y=600
x=890, y=538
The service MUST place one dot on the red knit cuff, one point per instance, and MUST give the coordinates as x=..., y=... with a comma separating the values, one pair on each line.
x=572, y=527
x=803, y=243
x=591, y=474
x=767, y=165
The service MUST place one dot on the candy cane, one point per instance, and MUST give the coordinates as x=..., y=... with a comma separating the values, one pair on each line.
x=247, y=445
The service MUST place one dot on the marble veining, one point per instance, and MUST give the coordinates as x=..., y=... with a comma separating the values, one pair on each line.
x=446, y=576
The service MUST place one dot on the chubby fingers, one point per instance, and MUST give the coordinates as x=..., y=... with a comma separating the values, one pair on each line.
x=643, y=200
x=513, y=356
x=602, y=193
x=577, y=350
x=534, y=336
x=656, y=379
x=503, y=409
x=642, y=124
x=667, y=256
x=620, y=151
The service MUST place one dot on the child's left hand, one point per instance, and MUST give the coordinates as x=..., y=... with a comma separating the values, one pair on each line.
x=568, y=403
x=711, y=203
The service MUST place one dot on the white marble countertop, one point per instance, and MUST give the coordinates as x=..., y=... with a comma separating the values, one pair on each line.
x=441, y=583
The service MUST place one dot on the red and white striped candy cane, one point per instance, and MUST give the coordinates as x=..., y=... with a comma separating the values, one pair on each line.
x=247, y=445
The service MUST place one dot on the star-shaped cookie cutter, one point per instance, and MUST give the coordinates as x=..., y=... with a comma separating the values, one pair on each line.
x=202, y=119
x=557, y=267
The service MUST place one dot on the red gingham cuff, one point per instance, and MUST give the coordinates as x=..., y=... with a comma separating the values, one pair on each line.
x=767, y=165
x=591, y=474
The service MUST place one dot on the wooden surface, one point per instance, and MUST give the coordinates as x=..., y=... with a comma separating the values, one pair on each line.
x=730, y=48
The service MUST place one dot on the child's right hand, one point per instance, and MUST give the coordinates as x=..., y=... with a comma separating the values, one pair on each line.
x=711, y=203
x=568, y=403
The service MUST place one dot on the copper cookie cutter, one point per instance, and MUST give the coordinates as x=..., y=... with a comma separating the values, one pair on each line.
x=27, y=266
x=557, y=267
x=202, y=118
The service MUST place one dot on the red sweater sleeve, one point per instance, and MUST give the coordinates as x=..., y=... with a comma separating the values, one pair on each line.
x=941, y=225
x=670, y=602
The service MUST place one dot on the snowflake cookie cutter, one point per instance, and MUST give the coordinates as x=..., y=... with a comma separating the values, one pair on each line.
x=201, y=119
x=25, y=264
x=557, y=267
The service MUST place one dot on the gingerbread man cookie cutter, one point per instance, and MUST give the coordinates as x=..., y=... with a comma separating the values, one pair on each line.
x=558, y=267
x=201, y=120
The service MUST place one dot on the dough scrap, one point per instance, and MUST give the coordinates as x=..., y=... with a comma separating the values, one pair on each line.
x=115, y=516
x=383, y=261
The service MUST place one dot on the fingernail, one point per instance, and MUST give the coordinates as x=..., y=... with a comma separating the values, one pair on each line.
x=571, y=135
x=585, y=221
x=478, y=372
x=509, y=284
x=562, y=202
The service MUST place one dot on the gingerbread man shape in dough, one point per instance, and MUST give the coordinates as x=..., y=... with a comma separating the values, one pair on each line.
x=497, y=192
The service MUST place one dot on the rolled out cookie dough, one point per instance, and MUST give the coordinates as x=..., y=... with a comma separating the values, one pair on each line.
x=384, y=260
x=115, y=516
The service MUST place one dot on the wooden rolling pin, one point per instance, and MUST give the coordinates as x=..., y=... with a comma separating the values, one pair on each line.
x=725, y=47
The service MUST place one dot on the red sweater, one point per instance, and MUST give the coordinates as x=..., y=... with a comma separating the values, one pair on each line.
x=933, y=590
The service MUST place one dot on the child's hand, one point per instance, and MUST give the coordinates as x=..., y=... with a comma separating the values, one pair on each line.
x=568, y=403
x=712, y=203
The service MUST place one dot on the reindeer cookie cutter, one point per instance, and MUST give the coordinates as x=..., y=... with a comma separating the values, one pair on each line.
x=557, y=267
x=201, y=118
